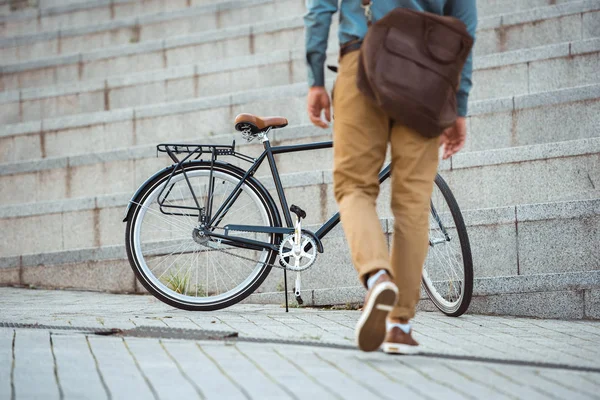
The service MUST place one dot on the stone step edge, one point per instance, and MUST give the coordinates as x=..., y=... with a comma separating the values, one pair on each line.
x=569, y=148
x=129, y=22
x=478, y=107
x=497, y=60
x=515, y=284
x=511, y=215
x=307, y=178
x=289, y=180
x=277, y=137
x=38, y=12
x=492, y=22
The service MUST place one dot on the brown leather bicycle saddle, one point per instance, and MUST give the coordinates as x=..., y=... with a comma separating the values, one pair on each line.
x=258, y=124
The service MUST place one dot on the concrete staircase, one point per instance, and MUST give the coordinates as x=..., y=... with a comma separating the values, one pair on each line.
x=89, y=88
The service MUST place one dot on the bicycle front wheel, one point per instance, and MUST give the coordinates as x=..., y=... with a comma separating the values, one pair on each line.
x=183, y=268
x=448, y=271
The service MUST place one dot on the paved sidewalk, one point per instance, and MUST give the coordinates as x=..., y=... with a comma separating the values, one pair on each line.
x=306, y=353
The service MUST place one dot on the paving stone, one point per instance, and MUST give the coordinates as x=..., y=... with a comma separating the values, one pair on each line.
x=76, y=368
x=545, y=388
x=214, y=381
x=33, y=373
x=289, y=373
x=241, y=370
x=118, y=369
x=161, y=371
x=6, y=358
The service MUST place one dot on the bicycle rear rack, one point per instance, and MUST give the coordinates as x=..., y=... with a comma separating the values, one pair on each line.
x=193, y=152
x=215, y=150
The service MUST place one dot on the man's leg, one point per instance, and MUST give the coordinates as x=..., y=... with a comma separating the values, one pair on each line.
x=360, y=139
x=361, y=133
x=414, y=166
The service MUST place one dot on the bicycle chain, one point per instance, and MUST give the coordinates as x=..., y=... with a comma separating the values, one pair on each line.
x=224, y=251
x=248, y=258
x=242, y=257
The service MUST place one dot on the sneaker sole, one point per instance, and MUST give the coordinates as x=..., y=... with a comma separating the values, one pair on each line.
x=370, y=328
x=398, y=348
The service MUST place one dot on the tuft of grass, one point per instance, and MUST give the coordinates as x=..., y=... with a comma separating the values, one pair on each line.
x=291, y=304
x=177, y=283
x=181, y=284
x=347, y=306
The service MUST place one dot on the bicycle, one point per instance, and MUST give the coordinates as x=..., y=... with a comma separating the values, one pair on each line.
x=202, y=221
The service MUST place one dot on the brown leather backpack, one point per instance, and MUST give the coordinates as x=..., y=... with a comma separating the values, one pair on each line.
x=410, y=66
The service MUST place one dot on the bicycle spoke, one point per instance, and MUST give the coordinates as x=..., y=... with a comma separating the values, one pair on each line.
x=174, y=261
x=161, y=216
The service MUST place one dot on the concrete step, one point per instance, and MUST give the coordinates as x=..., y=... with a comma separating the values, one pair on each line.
x=497, y=122
x=123, y=170
x=524, y=252
x=498, y=75
x=182, y=21
x=125, y=25
x=138, y=29
x=65, y=15
x=555, y=24
x=54, y=15
x=488, y=8
x=559, y=296
x=498, y=178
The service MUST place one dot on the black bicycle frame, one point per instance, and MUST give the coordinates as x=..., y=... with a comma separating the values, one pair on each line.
x=205, y=214
x=268, y=154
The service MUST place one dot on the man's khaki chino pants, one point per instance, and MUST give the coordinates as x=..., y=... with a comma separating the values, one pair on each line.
x=361, y=134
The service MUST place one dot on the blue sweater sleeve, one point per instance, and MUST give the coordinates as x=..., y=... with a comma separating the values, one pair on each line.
x=466, y=11
x=317, y=22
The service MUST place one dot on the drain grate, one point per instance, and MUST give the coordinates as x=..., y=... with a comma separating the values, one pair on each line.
x=200, y=334
x=177, y=333
x=99, y=331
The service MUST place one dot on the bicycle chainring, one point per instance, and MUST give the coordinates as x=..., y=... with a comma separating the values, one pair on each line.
x=293, y=256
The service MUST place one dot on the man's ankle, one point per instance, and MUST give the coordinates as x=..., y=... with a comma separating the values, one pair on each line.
x=371, y=278
x=403, y=324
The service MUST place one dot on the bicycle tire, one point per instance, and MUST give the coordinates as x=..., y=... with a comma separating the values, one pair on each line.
x=155, y=184
x=467, y=288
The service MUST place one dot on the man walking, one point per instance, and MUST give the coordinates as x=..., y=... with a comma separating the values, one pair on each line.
x=361, y=134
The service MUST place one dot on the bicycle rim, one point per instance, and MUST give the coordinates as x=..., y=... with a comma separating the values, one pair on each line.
x=448, y=271
x=175, y=262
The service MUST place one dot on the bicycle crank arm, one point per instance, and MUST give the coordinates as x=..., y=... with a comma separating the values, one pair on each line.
x=435, y=242
x=271, y=229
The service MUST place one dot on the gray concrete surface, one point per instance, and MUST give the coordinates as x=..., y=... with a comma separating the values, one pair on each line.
x=470, y=357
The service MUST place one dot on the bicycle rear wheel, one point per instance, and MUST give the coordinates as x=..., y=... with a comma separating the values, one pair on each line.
x=178, y=265
x=448, y=271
